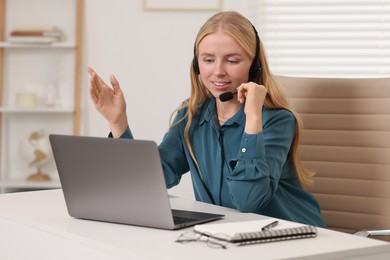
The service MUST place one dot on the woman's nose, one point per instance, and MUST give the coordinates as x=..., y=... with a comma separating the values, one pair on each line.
x=219, y=69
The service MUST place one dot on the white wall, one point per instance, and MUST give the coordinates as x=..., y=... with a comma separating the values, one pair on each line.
x=150, y=53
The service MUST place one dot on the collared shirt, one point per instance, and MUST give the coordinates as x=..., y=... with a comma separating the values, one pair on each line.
x=248, y=172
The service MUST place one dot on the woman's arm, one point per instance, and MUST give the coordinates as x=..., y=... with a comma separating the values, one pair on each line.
x=252, y=96
x=172, y=152
x=261, y=159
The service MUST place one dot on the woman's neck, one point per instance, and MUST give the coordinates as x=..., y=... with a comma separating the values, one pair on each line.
x=225, y=110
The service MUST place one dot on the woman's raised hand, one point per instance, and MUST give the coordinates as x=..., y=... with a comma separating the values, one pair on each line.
x=109, y=101
x=253, y=95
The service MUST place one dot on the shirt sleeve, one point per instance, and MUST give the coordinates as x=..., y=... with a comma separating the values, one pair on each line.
x=127, y=134
x=172, y=152
x=173, y=158
x=261, y=160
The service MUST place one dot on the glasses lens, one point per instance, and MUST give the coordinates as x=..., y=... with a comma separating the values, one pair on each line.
x=218, y=241
x=188, y=237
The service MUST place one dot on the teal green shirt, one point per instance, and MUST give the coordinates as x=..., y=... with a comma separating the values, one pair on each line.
x=247, y=172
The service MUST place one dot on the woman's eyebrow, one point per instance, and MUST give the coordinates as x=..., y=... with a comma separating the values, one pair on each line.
x=205, y=54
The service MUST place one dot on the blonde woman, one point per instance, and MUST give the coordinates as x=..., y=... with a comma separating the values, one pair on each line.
x=236, y=134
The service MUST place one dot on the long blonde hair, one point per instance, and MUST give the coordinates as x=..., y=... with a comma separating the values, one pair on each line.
x=240, y=28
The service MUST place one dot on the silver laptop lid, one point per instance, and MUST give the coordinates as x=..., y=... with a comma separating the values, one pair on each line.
x=114, y=180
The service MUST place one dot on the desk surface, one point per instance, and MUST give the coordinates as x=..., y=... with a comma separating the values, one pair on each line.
x=36, y=225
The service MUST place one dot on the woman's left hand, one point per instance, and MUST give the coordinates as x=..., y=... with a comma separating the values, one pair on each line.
x=253, y=95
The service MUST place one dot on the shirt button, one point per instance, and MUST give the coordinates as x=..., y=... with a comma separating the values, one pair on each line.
x=243, y=150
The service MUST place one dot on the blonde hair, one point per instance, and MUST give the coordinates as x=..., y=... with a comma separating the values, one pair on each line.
x=240, y=28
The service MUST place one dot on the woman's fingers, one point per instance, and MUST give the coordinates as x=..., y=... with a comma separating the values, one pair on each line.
x=115, y=85
x=251, y=93
x=96, y=81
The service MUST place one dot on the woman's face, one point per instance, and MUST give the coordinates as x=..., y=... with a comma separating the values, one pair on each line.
x=223, y=63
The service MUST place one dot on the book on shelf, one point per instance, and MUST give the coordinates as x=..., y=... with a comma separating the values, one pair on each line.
x=35, y=34
x=253, y=232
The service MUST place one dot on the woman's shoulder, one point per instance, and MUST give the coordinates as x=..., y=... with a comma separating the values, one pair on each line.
x=182, y=110
x=180, y=113
x=281, y=113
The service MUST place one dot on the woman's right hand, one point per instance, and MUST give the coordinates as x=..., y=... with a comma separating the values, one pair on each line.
x=110, y=102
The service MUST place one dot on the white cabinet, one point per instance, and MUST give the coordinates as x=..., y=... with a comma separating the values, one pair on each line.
x=40, y=87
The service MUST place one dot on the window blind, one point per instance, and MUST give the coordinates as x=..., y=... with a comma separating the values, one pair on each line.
x=332, y=38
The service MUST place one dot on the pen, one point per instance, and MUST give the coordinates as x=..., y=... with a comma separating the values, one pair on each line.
x=270, y=225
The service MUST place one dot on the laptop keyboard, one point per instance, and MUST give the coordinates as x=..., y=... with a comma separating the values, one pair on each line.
x=181, y=220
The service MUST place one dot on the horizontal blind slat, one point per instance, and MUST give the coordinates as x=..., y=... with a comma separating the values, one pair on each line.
x=371, y=36
x=324, y=2
x=330, y=8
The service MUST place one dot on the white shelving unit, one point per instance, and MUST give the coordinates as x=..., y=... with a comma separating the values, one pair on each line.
x=48, y=71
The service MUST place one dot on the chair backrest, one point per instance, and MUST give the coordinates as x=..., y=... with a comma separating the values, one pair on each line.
x=346, y=141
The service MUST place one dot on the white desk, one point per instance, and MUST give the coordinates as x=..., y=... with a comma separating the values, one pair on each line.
x=36, y=225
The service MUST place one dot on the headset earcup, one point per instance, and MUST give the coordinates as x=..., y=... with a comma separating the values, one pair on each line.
x=254, y=70
x=195, y=65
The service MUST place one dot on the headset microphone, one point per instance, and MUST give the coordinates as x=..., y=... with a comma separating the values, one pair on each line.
x=226, y=96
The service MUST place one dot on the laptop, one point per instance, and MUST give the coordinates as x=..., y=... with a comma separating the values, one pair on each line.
x=119, y=181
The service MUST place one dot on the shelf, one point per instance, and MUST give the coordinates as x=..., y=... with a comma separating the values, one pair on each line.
x=32, y=67
x=23, y=184
x=59, y=45
x=50, y=110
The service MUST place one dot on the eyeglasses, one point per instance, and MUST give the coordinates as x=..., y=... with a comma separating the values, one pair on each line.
x=215, y=241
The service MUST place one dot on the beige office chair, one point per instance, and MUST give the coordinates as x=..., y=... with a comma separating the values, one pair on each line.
x=346, y=141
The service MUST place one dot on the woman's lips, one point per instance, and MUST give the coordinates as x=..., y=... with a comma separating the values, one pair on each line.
x=221, y=85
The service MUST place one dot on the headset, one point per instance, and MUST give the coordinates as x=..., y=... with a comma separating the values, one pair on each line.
x=255, y=68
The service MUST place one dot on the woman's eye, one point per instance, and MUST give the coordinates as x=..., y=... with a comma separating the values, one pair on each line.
x=232, y=61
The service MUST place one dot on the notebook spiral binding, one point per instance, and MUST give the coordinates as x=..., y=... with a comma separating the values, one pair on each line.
x=275, y=235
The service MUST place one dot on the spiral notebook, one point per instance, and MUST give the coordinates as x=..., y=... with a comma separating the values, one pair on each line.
x=250, y=232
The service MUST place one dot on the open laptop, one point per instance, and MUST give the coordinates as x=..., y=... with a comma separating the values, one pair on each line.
x=117, y=180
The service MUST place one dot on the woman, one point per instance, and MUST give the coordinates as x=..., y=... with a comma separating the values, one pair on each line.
x=236, y=133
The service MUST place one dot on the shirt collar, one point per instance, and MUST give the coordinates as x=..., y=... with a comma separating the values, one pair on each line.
x=208, y=111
